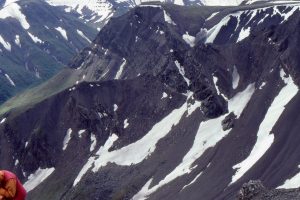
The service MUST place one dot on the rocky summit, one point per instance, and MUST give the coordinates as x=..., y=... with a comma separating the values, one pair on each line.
x=167, y=102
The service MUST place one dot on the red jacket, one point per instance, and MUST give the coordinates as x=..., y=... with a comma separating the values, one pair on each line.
x=11, y=184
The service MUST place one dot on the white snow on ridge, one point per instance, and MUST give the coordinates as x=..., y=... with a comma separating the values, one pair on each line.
x=165, y=95
x=17, y=41
x=212, y=16
x=168, y=18
x=179, y=2
x=37, y=178
x=136, y=152
x=14, y=10
x=93, y=142
x=214, y=31
x=120, y=71
x=265, y=137
x=115, y=107
x=80, y=132
x=193, y=181
x=109, y=142
x=190, y=40
x=142, y=195
x=63, y=32
x=3, y=120
x=67, y=139
x=182, y=72
x=83, y=36
x=126, y=124
x=215, y=79
x=286, y=16
x=293, y=182
x=222, y=2
x=5, y=44
x=7, y=2
x=235, y=78
x=34, y=38
x=102, y=9
x=262, y=85
x=16, y=162
x=208, y=135
x=244, y=34
x=10, y=80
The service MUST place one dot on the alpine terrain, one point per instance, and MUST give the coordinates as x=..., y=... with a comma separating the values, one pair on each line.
x=168, y=102
x=36, y=41
x=39, y=37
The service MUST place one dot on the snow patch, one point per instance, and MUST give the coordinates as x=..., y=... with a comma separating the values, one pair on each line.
x=83, y=36
x=222, y=2
x=93, y=142
x=265, y=137
x=244, y=34
x=190, y=40
x=193, y=181
x=115, y=107
x=3, y=120
x=182, y=72
x=208, y=135
x=17, y=41
x=262, y=85
x=235, y=78
x=103, y=149
x=165, y=95
x=168, y=18
x=293, y=182
x=14, y=10
x=37, y=178
x=126, y=124
x=17, y=162
x=179, y=2
x=34, y=38
x=136, y=152
x=120, y=71
x=212, y=16
x=214, y=31
x=67, y=139
x=80, y=132
x=10, y=80
x=63, y=32
x=5, y=44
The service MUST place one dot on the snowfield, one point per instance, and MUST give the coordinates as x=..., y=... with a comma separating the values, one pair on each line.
x=37, y=178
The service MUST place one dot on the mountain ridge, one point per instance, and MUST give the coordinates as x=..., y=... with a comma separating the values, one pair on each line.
x=163, y=109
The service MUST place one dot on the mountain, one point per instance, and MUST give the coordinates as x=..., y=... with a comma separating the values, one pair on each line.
x=168, y=102
x=47, y=50
x=98, y=12
x=36, y=41
x=39, y=37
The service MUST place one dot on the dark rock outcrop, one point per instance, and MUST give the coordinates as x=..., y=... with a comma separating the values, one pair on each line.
x=254, y=190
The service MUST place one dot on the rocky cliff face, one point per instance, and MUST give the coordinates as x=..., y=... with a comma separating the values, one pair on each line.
x=168, y=102
x=254, y=190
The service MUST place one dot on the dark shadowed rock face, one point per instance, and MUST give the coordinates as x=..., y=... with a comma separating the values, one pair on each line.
x=251, y=190
x=167, y=103
x=228, y=122
x=254, y=190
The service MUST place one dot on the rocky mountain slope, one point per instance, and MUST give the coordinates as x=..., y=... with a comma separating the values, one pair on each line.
x=44, y=31
x=39, y=37
x=36, y=41
x=158, y=108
